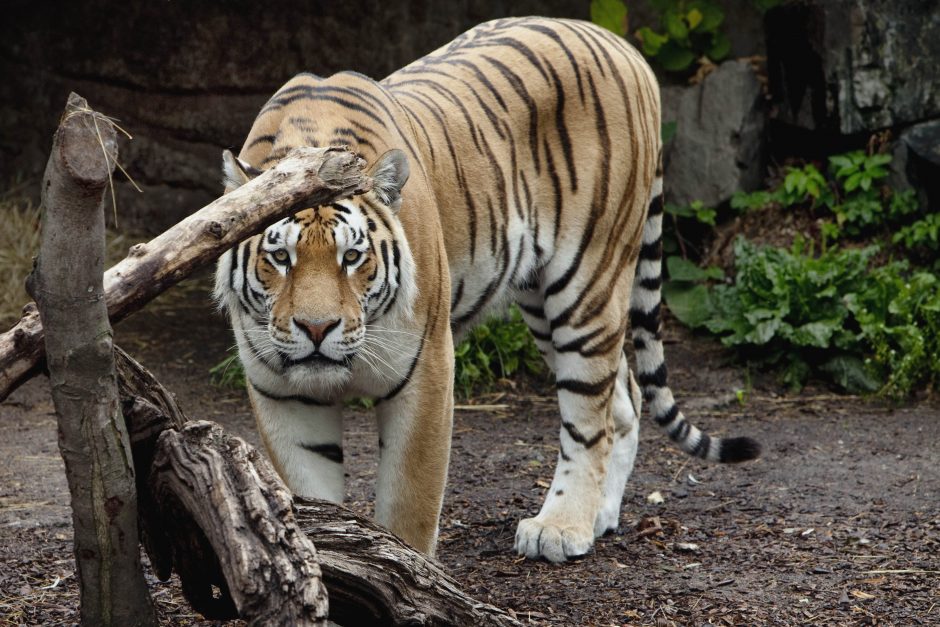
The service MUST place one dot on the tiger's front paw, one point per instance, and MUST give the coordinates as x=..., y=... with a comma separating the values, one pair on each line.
x=556, y=543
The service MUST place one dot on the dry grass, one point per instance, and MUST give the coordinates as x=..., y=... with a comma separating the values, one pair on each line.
x=19, y=243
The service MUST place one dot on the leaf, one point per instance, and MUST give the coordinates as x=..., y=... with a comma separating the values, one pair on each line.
x=684, y=270
x=720, y=47
x=850, y=373
x=815, y=333
x=682, y=211
x=712, y=17
x=694, y=18
x=674, y=58
x=675, y=26
x=652, y=41
x=853, y=181
x=691, y=304
x=611, y=14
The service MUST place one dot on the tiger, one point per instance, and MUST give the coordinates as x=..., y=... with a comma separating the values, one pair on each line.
x=520, y=163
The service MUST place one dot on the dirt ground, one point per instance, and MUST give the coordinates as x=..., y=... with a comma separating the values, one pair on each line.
x=837, y=524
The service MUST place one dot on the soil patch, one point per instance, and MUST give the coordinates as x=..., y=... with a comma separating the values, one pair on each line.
x=837, y=523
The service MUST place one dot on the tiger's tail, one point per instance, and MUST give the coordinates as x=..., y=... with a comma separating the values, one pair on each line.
x=651, y=363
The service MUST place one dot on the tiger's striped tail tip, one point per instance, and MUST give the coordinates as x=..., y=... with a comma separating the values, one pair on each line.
x=737, y=450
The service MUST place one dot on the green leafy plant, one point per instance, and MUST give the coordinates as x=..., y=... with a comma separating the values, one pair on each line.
x=899, y=317
x=611, y=14
x=229, y=372
x=827, y=315
x=855, y=194
x=689, y=30
x=496, y=348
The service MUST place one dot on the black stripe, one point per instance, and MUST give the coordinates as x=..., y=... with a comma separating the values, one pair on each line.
x=586, y=388
x=401, y=385
x=598, y=204
x=542, y=337
x=578, y=437
x=578, y=343
x=333, y=452
x=519, y=87
x=652, y=251
x=681, y=431
x=646, y=320
x=656, y=207
x=664, y=419
x=656, y=378
x=562, y=128
x=306, y=400
x=652, y=283
x=548, y=32
x=533, y=310
x=701, y=449
x=260, y=139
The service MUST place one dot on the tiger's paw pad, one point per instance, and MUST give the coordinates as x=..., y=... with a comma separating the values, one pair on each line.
x=535, y=539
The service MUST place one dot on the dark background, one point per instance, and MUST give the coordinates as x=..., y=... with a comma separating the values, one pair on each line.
x=186, y=78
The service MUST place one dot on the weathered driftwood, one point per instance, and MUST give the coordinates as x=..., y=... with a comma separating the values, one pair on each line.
x=67, y=286
x=376, y=579
x=372, y=577
x=214, y=513
x=217, y=489
x=306, y=177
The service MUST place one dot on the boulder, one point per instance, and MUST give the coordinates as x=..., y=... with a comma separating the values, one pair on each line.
x=916, y=162
x=854, y=66
x=718, y=144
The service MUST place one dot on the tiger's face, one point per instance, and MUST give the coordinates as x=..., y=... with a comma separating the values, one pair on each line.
x=304, y=292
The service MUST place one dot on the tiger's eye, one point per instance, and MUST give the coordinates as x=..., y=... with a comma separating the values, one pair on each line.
x=352, y=256
x=280, y=255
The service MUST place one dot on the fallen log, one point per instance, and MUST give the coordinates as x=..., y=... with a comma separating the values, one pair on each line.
x=376, y=579
x=305, y=177
x=372, y=577
x=93, y=441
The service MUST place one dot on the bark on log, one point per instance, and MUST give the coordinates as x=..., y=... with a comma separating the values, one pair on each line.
x=215, y=484
x=376, y=579
x=372, y=577
x=306, y=177
x=93, y=441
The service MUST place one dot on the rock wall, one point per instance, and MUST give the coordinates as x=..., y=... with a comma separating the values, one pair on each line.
x=854, y=66
x=187, y=77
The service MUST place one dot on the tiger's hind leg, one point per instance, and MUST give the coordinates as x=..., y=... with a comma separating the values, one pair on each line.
x=626, y=412
x=587, y=373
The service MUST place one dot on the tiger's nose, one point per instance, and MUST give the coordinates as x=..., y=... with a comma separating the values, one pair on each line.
x=316, y=329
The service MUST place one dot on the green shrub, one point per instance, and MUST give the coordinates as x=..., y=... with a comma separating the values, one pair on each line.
x=830, y=316
x=688, y=30
x=496, y=348
x=855, y=195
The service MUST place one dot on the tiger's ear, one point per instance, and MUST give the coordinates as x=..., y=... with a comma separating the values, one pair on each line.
x=236, y=172
x=389, y=174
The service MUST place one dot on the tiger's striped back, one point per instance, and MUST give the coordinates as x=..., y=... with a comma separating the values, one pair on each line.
x=538, y=133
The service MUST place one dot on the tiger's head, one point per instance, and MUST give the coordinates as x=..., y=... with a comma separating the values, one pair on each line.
x=302, y=294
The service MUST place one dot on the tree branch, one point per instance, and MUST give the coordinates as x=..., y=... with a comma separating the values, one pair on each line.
x=306, y=177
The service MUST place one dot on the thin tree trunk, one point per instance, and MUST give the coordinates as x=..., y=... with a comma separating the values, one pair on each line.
x=307, y=177
x=67, y=285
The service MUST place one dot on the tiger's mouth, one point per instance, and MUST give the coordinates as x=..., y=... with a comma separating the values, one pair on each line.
x=315, y=359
